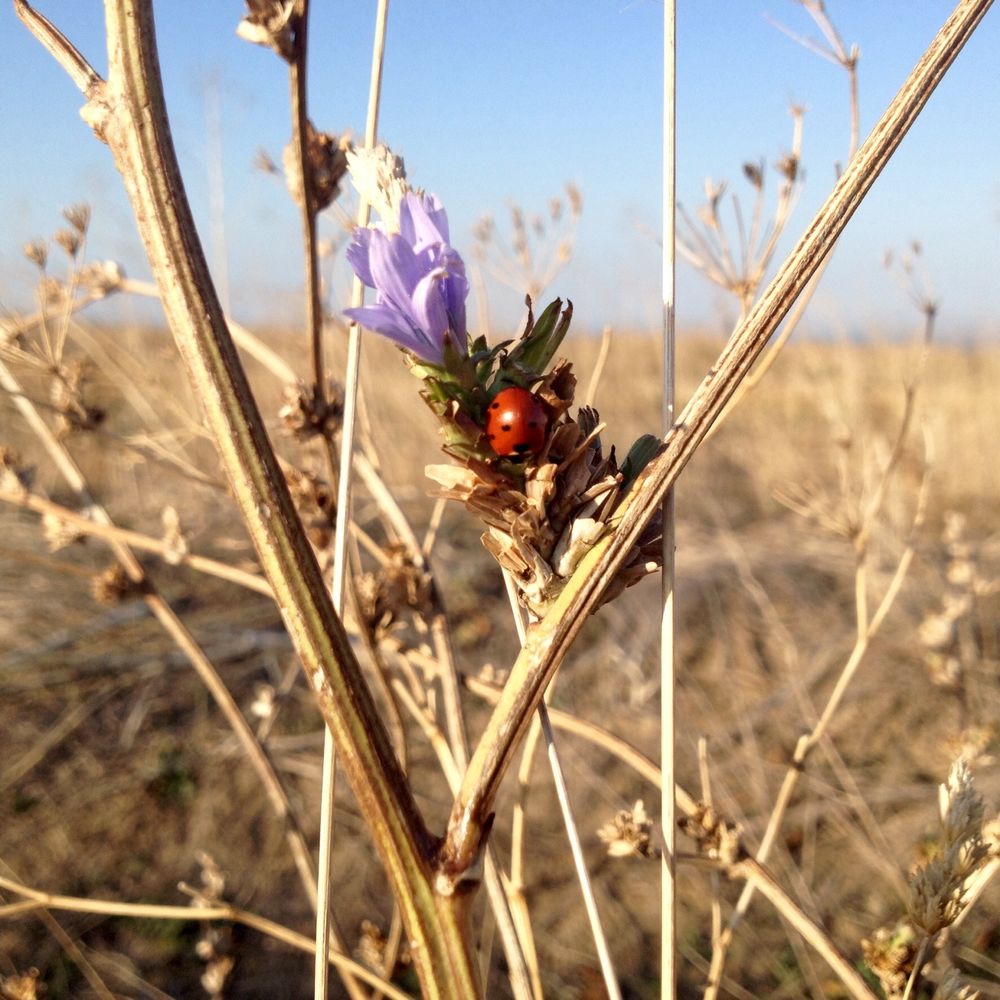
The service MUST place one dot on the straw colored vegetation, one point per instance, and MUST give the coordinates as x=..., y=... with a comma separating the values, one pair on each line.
x=121, y=778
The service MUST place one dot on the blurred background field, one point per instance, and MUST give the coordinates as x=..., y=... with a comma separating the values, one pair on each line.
x=117, y=770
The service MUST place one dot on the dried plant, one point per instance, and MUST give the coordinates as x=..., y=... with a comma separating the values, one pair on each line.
x=570, y=523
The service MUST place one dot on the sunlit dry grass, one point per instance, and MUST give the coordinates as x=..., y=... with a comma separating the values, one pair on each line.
x=117, y=768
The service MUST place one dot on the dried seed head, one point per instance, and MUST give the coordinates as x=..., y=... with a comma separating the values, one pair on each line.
x=15, y=478
x=67, y=394
x=173, y=537
x=754, y=173
x=305, y=415
x=890, y=954
x=325, y=166
x=398, y=588
x=316, y=502
x=379, y=177
x=78, y=216
x=936, y=888
x=937, y=632
x=263, y=702
x=575, y=199
x=264, y=162
x=370, y=949
x=716, y=837
x=270, y=23
x=37, y=252
x=21, y=986
x=70, y=241
x=101, y=277
x=628, y=834
x=58, y=534
x=788, y=167
x=113, y=586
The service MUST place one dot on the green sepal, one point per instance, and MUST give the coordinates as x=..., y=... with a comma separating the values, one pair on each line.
x=638, y=457
x=541, y=339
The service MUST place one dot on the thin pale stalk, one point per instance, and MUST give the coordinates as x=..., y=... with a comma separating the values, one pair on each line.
x=34, y=899
x=814, y=935
x=709, y=800
x=85, y=525
x=668, y=679
x=808, y=741
x=129, y=114
x=174, y=627
x=551, y=638
x=341, y=534
x=598, y=736
x=569, y=821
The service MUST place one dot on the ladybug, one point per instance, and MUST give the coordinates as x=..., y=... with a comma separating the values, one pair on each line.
x=516, y=422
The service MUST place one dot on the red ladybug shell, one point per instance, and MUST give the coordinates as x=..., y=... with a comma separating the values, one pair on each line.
x=516, y=422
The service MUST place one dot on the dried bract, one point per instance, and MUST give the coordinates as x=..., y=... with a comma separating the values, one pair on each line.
x=270, y=23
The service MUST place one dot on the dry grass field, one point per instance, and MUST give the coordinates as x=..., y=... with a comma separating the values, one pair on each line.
x=119, y=776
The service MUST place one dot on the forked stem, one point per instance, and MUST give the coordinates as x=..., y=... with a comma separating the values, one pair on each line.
x=548, y=642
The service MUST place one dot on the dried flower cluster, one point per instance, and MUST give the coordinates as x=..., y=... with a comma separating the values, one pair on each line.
x=397, y=589
x=945, y=633
x=316, y=501
x=325, y=166
x=629, y=834
x=305, y=414
x=716, y=837
x=545, y=500
x=938, y=891
x=542, y=520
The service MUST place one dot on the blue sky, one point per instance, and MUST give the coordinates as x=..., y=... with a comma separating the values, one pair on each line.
x=491, y=103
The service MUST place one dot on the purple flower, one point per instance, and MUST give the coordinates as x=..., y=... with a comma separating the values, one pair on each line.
x=420, y=280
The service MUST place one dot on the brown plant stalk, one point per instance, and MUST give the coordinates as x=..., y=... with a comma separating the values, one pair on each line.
x=127, y=111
